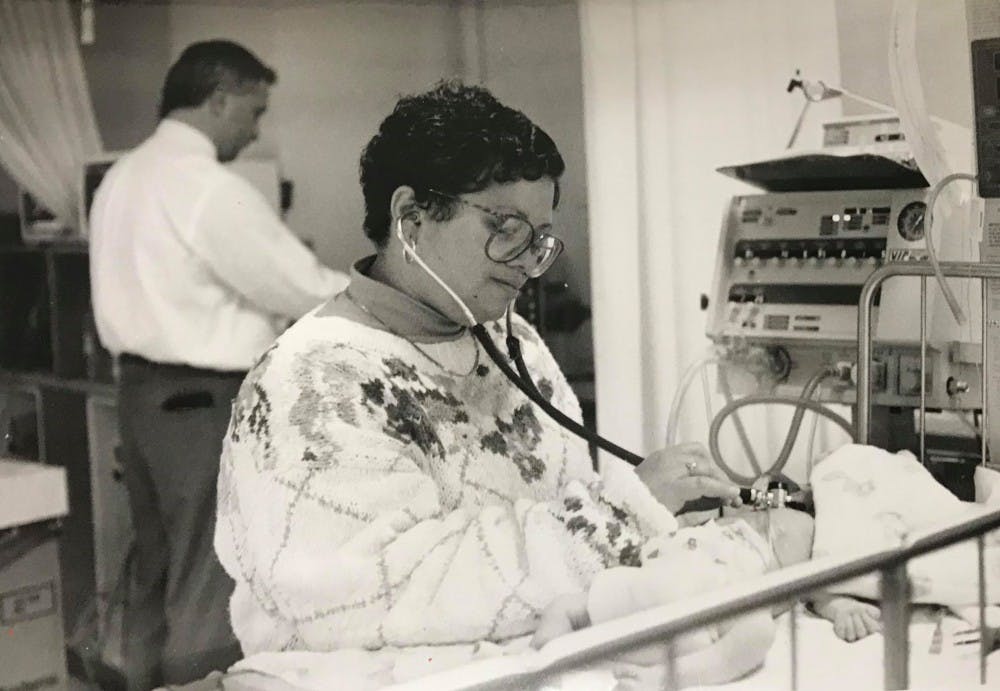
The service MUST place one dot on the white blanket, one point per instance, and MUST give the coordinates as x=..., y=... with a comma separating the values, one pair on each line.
x=868, y=500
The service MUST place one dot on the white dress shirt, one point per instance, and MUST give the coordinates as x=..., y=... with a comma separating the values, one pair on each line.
x=188, y=262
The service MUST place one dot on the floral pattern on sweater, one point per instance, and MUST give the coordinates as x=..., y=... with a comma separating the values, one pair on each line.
x=368, y=498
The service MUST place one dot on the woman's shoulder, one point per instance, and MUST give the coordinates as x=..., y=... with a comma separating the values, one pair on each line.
x=333, y=345
x=319, y=369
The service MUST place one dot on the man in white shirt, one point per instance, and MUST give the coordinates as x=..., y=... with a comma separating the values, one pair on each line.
x=193, y=277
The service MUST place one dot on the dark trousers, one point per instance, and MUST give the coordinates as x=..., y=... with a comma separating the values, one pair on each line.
x=172, y=421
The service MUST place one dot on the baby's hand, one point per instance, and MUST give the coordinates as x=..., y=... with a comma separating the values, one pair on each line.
x=564, y=614
x=852, y=619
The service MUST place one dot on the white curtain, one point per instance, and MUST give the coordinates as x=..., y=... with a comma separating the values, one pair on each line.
x=674, y=89
x=47, y=125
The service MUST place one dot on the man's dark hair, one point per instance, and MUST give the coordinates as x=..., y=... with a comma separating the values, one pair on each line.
x=453, y=139
x=204, y=67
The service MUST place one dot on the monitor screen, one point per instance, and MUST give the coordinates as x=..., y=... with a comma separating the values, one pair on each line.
x=33, y=210
x=38, y=224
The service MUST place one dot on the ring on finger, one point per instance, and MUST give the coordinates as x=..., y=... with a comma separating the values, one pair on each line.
x=692, y=467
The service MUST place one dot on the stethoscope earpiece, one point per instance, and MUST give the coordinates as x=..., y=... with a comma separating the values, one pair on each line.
x=410, y=254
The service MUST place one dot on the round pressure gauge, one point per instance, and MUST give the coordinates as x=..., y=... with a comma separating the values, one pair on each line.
x=911, y=221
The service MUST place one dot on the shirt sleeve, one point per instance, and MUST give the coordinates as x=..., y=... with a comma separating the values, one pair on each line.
x=338, y=535
x=237, y=234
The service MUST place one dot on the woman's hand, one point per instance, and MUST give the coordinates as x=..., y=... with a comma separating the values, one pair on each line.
x=678, y=474
x=564, y=614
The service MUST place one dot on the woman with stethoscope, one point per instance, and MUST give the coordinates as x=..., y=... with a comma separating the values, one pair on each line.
x=384, y=482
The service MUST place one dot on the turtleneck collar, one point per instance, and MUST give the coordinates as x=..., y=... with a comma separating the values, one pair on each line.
x=400, y=313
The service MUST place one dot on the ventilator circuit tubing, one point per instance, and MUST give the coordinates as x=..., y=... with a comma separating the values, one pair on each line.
x=741, y=431
x=918, y=128
x=802, y=403
x=673, y=420
x=932, y=197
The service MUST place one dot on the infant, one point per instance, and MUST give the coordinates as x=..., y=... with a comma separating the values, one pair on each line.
x=791, y=539
x=692, y=561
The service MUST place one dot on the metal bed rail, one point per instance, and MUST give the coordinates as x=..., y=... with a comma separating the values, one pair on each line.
x=895, y=609
x=972, y=270
x=968, y=270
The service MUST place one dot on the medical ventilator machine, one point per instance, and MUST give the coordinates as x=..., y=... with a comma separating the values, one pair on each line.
x=822, y=276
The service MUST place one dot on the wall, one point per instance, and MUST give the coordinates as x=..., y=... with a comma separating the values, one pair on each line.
x=942, y=55
x=520, y=40
x=341, y=66
x=530, y=57
x=125, y=67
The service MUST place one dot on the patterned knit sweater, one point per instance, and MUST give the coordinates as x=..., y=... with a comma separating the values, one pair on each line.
x=369, y=498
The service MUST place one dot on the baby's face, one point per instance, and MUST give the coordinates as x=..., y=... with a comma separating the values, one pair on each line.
x=789, y=532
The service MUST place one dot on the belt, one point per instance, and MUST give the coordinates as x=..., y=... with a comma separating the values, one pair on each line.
x=138, y=362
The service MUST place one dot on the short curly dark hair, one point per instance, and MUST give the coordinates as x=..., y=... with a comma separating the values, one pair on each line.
x=454, y=138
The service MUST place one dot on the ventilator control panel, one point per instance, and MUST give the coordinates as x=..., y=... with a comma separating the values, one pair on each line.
x=791, y=265
x=789, y=275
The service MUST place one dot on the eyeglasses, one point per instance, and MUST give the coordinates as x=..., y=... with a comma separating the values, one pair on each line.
x=511, y=236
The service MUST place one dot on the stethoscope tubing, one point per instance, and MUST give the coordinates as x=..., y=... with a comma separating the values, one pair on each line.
x=522, y=380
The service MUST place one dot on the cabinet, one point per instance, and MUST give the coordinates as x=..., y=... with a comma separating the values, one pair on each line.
x=20, y=420
x=57, y=406
x=46, y=322
x=112, y=524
